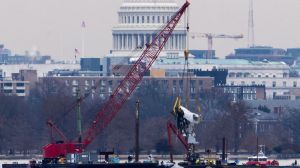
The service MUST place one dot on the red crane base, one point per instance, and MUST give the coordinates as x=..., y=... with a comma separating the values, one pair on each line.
x=55, y=150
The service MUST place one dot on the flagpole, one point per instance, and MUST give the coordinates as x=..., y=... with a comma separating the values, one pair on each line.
x=82, y=39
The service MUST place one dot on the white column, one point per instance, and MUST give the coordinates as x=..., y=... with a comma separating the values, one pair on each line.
x=173, y=41
x=130, y=41
x=126, y=42
x=139, y=40
x=133, y=41
x=177, y=41
x=122, y=41
x=118, y=41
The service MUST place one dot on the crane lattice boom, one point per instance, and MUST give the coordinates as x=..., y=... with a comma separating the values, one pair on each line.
x=121, y=93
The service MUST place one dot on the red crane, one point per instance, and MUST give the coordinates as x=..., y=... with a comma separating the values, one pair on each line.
x=120, y=94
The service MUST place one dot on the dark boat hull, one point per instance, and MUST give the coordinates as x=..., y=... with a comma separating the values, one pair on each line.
x=101, y=165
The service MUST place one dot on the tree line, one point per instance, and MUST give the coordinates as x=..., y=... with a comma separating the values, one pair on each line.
x=23, y=127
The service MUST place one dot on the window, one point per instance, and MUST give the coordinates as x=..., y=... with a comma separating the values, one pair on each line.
x=74, y=91
x=132, y=19
x=231, y=83
x=148, y=19
x=181, y=82
x=193, y=90
x=153, y=19
x=174, y=82
x=264, y=83
x=294, y=84
x=284, y=84
x=158, y=19
x=102, y=96
x=163, y=19
x=274, y=76
x=193, y=82
x=259, y=76
x=87, y=83
x=74, y=82
x=128, y=19
x=243, y=83
x=253, y=82
x=174, y=90
x=231, y=74
x=20, y=91
x=20, y=84
x=200, y=82
x=102, y=83
x=138, y=19
x=143, y=19
x=8, y=84
x=7, y=91
x=102, y=89
x=125, y=19
x=168, y=18
x=67, y=82
x=273, y=84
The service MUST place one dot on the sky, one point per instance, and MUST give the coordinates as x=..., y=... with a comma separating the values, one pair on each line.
x=54, y=26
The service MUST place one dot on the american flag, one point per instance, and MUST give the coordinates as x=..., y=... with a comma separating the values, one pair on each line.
x=83, y=24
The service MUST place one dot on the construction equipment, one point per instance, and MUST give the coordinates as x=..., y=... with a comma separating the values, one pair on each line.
x=184, y=129
x=210, y=37
x=120, y=95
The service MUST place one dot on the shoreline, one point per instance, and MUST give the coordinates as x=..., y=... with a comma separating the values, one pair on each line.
x=160, y=157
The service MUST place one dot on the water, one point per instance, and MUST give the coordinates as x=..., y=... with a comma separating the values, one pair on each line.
x=285, y=162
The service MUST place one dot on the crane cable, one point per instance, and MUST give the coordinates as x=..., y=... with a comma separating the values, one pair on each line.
x=185, y=74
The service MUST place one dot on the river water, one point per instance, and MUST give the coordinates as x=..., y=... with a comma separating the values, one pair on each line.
x=285, y=162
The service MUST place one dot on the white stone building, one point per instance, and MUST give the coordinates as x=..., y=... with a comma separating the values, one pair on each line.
x=274, y=75
x=139, y=21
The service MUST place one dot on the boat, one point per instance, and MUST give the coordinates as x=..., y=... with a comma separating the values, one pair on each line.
x=260, y=159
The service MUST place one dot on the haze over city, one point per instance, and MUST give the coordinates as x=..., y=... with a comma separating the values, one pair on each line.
x=54, y=26
x=83, y=79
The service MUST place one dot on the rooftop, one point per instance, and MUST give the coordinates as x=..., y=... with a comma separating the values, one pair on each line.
x=179, y=61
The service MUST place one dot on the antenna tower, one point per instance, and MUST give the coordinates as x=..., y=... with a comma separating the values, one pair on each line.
x=251, y=25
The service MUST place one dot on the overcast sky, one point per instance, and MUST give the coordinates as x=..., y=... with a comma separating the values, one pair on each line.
x=54, y=26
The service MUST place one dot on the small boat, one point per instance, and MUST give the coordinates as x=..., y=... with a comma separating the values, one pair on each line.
x=261, y=160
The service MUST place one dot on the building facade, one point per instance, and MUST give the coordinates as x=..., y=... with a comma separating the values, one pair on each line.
x=14, y=88
x=138, y=23
x=104, y=86
x=244, y=92
x=274, y=75
x=19, y=84
x=261, y=53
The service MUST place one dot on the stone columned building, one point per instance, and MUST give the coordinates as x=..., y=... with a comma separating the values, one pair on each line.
x=139, y=21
